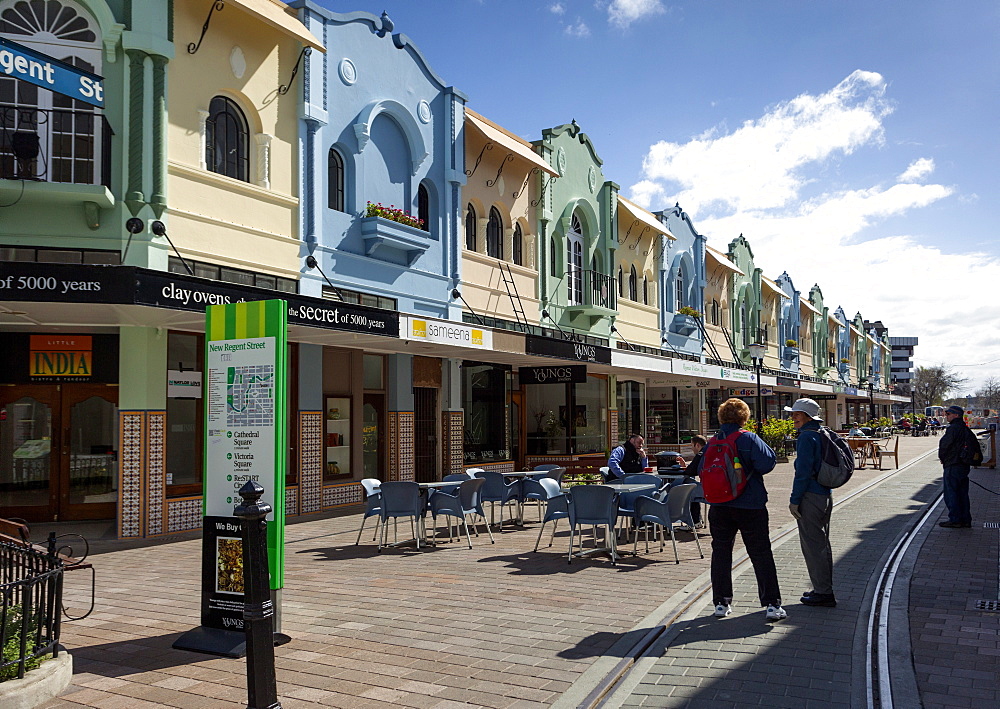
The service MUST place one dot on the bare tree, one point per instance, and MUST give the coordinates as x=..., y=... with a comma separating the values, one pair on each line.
x=989, y=394
x=932, y=384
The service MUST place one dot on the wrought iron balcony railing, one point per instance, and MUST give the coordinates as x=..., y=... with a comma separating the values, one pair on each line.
x=592, y=288
x=54, y=145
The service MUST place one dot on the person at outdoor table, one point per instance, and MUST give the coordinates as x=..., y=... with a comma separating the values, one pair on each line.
x=855, y=430
x=698, y=444
x=904, y=424
x=628, y=459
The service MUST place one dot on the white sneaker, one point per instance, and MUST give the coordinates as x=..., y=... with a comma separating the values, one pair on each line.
x=775, y=613
x=683, y=528
x=722, y=610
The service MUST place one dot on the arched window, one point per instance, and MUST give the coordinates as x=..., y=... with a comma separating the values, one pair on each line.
x=679, y=290
x=424, y=207
x=227, y=140
x=645, y=290
x=745, y=323
x=553, y=259
x=494, y=235
x=335, y=176
x=517, y=246
x=632, y=293
x=470, y=228
x=574, y=261
x=621, y=283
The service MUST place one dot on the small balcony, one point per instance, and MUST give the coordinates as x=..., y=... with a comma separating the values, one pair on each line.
x=54, y=145
x=592, y=295
x=683, y=324
x=790, y=353
x=388, y=240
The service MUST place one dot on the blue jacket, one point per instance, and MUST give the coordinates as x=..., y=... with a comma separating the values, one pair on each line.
x=807, y=459
x=758, y=459
x=615, y=462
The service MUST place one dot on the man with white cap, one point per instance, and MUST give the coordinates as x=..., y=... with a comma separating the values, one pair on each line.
x=811, y=504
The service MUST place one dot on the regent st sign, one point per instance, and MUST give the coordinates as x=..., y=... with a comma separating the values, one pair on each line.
x=565, y=349
x=33, y=67
x=566, y=374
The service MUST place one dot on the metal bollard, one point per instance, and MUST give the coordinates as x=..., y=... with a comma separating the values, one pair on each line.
x=258, y=610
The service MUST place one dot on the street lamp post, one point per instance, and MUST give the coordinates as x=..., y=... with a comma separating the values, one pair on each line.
x=757, y=355
x=871, y=399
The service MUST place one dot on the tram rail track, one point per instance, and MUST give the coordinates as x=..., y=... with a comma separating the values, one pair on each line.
x=878, y=681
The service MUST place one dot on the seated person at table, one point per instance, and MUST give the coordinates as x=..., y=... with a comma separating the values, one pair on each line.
x=855, y=430
x=698, y=444
x=628, y=459
x=904, y=424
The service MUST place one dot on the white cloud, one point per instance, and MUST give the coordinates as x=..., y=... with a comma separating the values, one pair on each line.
x=578, y=29
x=918, y=170
x=624, y=12
x=751, y=181
x=557, y=8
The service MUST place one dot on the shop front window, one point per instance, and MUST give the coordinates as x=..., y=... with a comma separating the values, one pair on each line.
x=185, y=353
x=568, y=419
x=687, y=414
x=485, y=393
x=630, y=411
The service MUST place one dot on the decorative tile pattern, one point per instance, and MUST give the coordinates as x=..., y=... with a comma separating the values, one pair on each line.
x=453, y=442
x=291, y=501
x=130, y=495
x=405, y=468
x=156, y=455
x=310, y=461
x=613, y=415
x=506, y=467
x=184, y=513
x=348, y=494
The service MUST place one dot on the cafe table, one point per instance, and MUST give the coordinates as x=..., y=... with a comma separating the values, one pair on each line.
x=864, y=448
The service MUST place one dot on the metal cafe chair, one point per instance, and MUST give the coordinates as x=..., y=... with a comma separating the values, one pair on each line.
x=463, y=504
x=373, y=500
x=597, y=506
x=401, y=499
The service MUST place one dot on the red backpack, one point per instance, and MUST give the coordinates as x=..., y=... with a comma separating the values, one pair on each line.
x=723, y=477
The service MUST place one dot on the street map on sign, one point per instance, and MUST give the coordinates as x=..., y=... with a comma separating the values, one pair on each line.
x=250, y=395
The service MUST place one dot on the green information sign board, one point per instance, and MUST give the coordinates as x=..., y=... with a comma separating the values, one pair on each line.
x=246, y=413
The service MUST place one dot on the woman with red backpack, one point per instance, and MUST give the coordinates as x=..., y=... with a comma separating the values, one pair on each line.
x=731, y=473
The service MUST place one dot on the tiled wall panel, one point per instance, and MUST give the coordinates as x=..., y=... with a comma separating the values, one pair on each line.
x=452, y=438
x=310, y=461
x=156, y=456
x=131, y=472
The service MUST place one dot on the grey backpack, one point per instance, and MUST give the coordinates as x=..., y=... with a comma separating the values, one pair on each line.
x=836, y=461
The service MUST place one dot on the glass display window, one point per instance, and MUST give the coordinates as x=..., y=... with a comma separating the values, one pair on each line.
x=485, y=400
x=337, y=461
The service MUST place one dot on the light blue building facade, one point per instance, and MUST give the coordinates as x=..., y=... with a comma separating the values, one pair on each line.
x=682, y=283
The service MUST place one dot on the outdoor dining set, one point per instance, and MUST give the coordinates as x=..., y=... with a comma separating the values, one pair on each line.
x=645, y=502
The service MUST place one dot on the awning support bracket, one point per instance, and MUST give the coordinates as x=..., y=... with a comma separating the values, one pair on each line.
x=488, y=146
x=509, y=158
x=283, y=89
x=217, y=5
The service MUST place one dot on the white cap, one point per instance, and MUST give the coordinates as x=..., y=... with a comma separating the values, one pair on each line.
x=807, y=406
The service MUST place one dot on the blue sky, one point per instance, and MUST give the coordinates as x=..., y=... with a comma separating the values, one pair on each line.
x=853, y=143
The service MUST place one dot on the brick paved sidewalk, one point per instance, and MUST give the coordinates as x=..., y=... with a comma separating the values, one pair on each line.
x=814, y=658
x=956, y=647
x=497, y=626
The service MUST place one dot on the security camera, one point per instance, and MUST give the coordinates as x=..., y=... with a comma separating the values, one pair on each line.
x=134, y=225
x=158, y=228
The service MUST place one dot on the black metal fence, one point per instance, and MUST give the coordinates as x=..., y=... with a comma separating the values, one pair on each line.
x=55, y=145
x=31, y=586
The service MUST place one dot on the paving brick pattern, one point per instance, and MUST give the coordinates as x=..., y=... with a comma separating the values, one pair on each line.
x=814, y=658
x=497, y=626
x=956, y=648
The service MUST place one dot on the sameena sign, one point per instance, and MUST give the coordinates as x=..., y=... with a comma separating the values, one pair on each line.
x=448, y=333
x=564, y=349
x=569, y=374
x=39, y=69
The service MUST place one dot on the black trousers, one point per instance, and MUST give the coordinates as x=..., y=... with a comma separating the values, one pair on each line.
x=724, y=523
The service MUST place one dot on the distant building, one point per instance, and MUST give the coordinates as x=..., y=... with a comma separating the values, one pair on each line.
x=902, y=358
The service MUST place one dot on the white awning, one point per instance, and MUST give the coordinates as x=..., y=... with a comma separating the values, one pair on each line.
x=723, y=260
x=774, y=286
x=276, y=14
x=809, y=305
x=517, y=146
x=644, y=217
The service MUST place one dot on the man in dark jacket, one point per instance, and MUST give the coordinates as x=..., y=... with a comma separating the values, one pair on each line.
x=628, y=459
x=811, y=504
x=956, y=473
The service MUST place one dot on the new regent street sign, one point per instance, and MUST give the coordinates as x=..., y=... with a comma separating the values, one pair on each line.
x=33, y=67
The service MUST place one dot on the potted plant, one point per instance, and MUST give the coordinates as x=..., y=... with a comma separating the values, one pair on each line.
x=393, y=215
x=688, y=310
x=791, y=343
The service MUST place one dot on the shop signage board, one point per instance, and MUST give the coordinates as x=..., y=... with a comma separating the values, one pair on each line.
x=60, y=358
x=738, y=375
x=565, y=349
x=246, y=432
x=183, y=385
x=32, y=66
x=695, y=369
x=443, y=332
x=764, y=391
x=560, y=374
x=823, y=397
x=851, y=391
x=65, y=283
x=788, y=382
